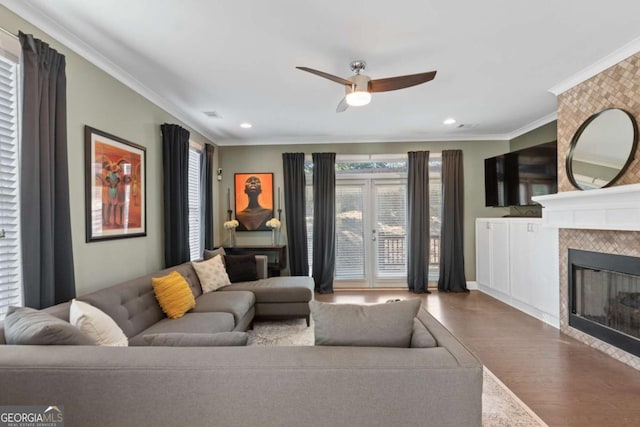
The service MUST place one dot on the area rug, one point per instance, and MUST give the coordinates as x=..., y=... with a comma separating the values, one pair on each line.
x=500, y=406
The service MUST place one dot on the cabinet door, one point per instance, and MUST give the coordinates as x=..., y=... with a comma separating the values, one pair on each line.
x=545, y=258
x=483, y=253
x=522, y=267
x=500, y=256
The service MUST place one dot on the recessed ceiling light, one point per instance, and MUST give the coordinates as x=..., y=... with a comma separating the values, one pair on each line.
x=449, y=121
x=246, y=125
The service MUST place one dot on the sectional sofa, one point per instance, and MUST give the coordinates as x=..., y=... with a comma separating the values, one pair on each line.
x=240, y=386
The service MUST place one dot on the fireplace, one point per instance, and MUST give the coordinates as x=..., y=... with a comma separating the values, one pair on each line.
x=604, y=297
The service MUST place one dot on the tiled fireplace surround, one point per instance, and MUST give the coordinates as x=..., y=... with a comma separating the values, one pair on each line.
x=616, y=87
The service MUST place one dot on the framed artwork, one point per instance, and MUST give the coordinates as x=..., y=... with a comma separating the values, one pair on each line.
x=253, y=200
x=115, y=193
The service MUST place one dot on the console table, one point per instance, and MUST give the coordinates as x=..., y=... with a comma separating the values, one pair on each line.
x=276, y=255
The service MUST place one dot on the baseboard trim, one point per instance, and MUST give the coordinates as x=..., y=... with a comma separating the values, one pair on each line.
x=523, y=307
x=472, y=286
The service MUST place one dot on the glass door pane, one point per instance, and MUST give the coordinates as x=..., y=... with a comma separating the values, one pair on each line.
x=390, y=202
x=350, y=247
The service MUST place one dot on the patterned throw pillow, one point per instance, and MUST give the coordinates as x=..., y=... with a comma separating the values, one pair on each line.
x=212, y=274
x=173, y=294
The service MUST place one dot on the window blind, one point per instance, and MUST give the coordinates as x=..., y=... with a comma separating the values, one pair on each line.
x=350, y=263
x=391, y=226
x=10, y=266
x=195, y=226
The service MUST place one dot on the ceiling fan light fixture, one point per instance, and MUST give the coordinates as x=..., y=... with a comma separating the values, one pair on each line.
x=358, y=98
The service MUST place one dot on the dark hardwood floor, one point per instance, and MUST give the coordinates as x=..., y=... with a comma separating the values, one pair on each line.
x=565, y=382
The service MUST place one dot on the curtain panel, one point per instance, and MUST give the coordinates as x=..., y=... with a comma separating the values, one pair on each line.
x=452, y=278
x=324, y=221
x=175, y=166
x=47, y=253
x=418, y=233
x=294, y=208
x=207, y=195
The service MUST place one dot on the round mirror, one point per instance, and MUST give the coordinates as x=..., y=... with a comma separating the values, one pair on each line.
x=602, y=149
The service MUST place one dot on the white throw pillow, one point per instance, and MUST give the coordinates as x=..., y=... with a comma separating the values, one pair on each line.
x=96, y=324
x=212, y=274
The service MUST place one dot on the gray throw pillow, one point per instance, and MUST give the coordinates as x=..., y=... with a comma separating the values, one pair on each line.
x=26, y=326
x=210, y=253
x=421, y=337
x=380, y=325
x=176, y=339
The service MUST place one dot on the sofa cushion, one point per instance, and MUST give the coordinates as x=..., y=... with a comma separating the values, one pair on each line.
x=173, y=294
x=237, y=303
x=96, y=324
x=26, y=326
x=420, y=336
x=241, y=268
x=277, y=289
x=379, y=325
x=195, y=323
x=212, y=274
x=219, y=339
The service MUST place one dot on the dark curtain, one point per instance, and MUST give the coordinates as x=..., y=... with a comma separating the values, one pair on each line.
x=294, y=207
x=207, y=195
x=175, y=166
x=324, y=221
x=452, y=277
x=418, y=236
x=47, y=253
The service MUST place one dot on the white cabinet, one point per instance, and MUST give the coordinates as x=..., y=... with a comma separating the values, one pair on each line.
x=517, y=263
x=493, y=259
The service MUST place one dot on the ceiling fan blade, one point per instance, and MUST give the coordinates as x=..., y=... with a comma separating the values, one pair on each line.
x=400, y=82
x=326, y=76
x=342, y=105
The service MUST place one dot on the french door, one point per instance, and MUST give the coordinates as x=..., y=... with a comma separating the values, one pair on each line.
x=371, y=237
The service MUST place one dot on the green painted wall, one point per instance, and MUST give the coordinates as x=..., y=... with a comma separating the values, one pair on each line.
x=269, y=159
x=545, y=133
x=95, y=98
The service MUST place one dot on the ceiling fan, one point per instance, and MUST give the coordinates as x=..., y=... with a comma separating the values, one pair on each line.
x=359, y=87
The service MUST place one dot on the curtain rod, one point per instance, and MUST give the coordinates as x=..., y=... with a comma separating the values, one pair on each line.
x=9, y=33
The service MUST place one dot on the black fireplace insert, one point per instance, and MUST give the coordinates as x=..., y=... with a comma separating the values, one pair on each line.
x=604, y=297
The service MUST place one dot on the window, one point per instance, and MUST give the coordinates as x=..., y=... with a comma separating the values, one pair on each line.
x=195, y=202
x=10, y=257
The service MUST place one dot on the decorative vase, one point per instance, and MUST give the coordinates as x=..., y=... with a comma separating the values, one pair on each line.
x=275, y=236
x=231, y=238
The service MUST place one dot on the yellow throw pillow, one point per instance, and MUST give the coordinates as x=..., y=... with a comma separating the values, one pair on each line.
x=174, y=294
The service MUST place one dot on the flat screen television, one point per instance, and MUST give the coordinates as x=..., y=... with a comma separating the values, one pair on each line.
x=512, y=179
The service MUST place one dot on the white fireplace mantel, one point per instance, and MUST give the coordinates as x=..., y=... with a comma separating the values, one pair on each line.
x=613, y=208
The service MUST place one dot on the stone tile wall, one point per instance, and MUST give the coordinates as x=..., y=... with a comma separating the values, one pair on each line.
x=616, y=87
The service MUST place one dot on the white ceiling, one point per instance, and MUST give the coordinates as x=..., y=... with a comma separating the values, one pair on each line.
x=496, y=60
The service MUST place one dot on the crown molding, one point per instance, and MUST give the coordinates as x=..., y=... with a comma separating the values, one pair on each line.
x=63, y=36
x=293, y=140
x=532, y=126
x=597, y=67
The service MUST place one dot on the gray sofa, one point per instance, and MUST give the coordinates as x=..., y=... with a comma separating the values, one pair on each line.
x=250, y=386
x=240, y=386
x=133, y=305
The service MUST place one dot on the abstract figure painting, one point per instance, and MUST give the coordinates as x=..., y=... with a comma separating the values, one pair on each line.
x=115, y=173
x=253, y=200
